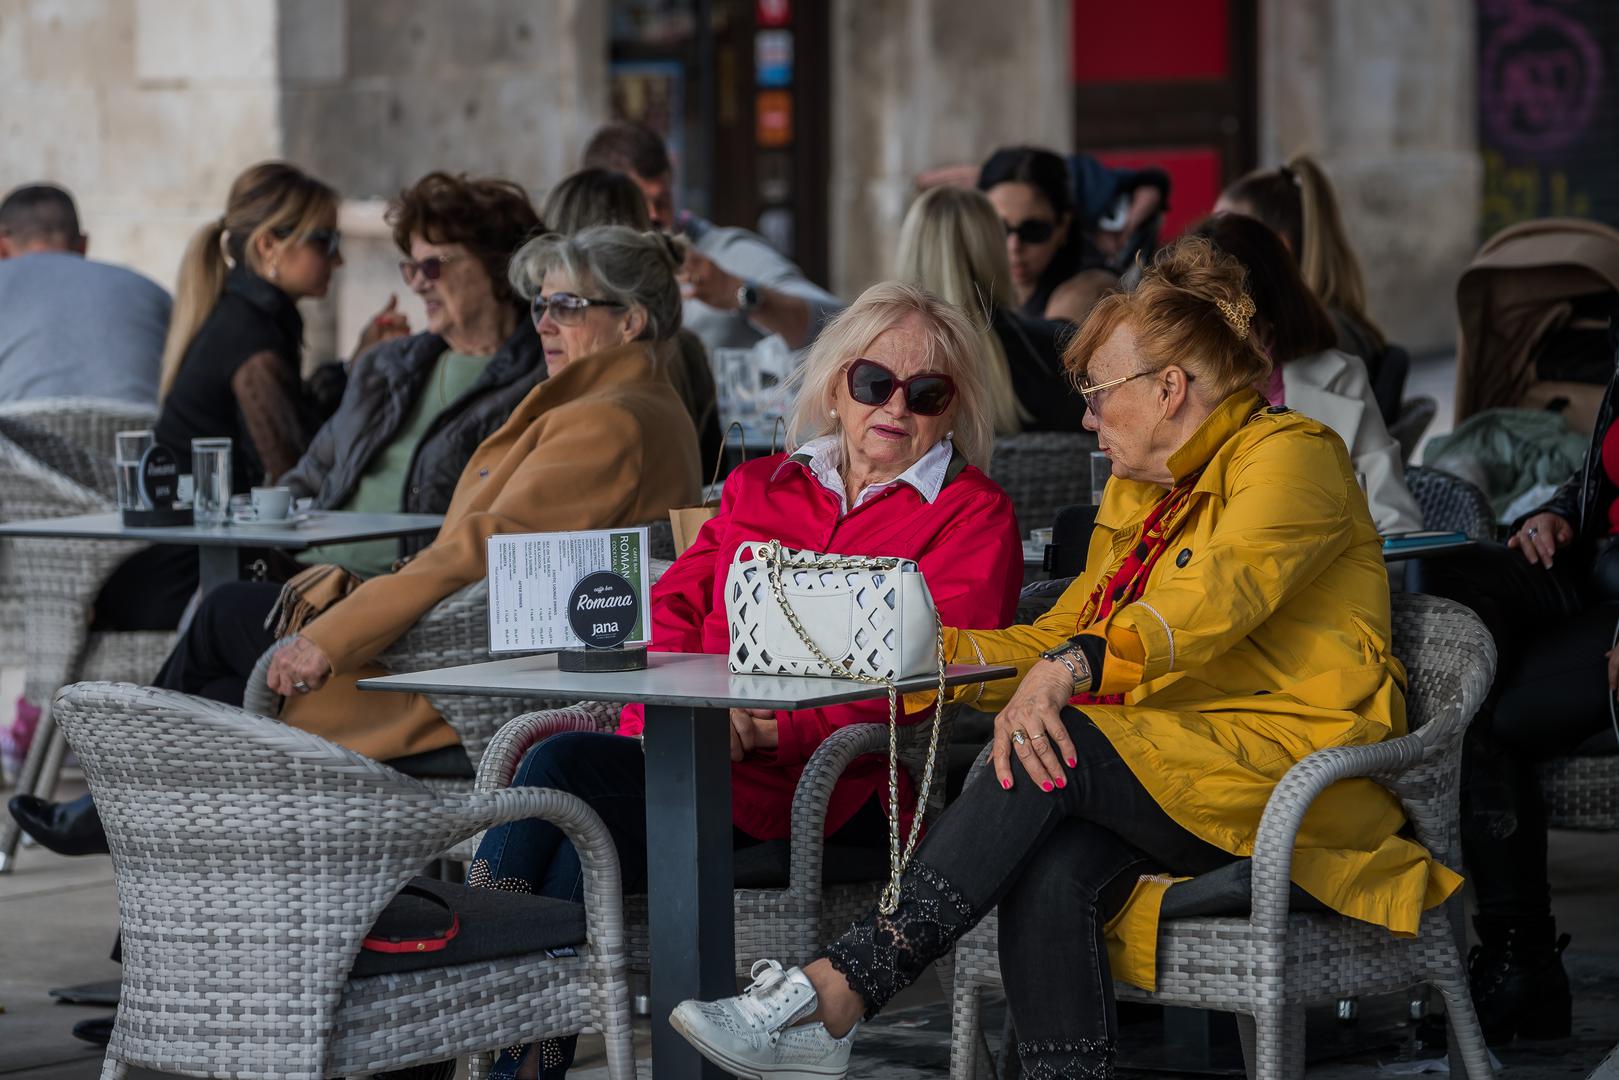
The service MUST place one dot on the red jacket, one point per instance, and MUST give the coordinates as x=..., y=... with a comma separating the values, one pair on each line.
x=966, y=543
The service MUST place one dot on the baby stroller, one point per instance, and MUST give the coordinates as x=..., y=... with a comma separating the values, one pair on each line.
x=1534, y=307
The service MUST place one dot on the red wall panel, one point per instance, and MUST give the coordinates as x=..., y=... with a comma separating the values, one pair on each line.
x=1130, y=41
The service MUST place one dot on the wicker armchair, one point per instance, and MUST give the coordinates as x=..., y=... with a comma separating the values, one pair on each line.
x=789, y=918
x=1268, y=965
x=85, y=422
x=54, y=584
x=252, y=858
x=1043, y=471
x=1451, y=503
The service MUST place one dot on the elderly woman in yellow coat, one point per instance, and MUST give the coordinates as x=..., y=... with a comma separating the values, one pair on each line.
x=1233, y=617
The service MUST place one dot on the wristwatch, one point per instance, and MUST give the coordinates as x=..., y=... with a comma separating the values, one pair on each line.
x=1071, y=656
x=748, y=297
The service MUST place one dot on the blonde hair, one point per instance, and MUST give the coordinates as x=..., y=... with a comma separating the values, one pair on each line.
x=1191, y=309
x=952, y=244
x=270, y=197
x=1296, y=200
x=951, y=346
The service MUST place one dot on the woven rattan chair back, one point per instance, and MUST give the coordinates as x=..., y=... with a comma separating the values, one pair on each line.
x=1450, y=503
x=1043, y=471
x=87, y=422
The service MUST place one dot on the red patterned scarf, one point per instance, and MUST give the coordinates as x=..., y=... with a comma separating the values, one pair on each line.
x=1122, y=587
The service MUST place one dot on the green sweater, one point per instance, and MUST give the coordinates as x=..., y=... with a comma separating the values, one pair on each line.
x=381, y=487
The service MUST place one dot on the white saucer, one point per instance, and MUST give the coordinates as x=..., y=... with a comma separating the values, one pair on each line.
x=279, y=523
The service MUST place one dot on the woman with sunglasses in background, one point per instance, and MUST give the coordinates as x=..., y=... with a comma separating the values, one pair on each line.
x=890, y=412
x=1033, y=194
x=232, y=363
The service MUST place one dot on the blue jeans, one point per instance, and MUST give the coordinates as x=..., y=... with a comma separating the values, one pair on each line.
x=609, y=773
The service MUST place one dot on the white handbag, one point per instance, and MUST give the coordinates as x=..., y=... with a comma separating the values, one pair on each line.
x=871, y=619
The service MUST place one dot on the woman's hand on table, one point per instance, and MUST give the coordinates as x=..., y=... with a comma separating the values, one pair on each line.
x=1541, y=537
x=301, y=668
x=1035, y=712
x=752, y=729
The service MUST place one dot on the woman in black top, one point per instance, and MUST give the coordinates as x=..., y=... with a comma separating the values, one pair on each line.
x=950, y=244
x=231, y=365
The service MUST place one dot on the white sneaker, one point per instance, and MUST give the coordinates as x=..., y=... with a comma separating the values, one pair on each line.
x=753, y=1035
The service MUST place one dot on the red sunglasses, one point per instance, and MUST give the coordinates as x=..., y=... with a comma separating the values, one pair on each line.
x=927, y=394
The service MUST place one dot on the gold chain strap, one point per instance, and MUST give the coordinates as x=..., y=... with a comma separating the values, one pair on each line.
x=897, y=861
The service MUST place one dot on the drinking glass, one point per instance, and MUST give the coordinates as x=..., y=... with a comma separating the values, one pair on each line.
x=1101, y=472
x=129, y=447
x=210, y=487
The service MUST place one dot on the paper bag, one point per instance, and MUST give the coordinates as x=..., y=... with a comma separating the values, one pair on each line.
x=686, y=521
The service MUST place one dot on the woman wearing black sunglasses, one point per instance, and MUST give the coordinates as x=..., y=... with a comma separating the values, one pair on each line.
x=231, y=366
x=1031, y=191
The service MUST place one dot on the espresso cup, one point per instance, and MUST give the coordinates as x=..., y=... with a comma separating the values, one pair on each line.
x=271, y=503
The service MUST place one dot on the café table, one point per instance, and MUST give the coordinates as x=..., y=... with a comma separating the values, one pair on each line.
x=688, y=796
x=219, y=546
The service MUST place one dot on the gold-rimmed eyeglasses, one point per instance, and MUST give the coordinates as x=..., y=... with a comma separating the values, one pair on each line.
x=1090, y=393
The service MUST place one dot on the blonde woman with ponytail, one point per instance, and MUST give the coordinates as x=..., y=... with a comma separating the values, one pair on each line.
x=231, y=364
x=951, y=243
x=234, y=351
x=1297, y=202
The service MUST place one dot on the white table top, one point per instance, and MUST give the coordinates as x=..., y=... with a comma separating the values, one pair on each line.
x=697, y=680
x=319, y=527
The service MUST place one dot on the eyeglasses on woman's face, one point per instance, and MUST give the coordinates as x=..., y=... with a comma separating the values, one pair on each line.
x=430, y=268
x=1095, y=393
x=566, y=308
x=927, y=394
x=326, y=241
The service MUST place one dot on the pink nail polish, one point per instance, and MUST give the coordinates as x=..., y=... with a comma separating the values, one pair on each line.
x=1007, y=784
x=1072, y=762
x=1045, y=785
x=1061, y=782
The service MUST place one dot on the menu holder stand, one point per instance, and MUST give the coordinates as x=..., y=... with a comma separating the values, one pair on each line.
x=603, y=610
x=158, y=484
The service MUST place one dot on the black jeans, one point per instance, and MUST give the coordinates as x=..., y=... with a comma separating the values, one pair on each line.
x=216, y=654
x=1550, y=697
x=1059, y=865
x=609, y=773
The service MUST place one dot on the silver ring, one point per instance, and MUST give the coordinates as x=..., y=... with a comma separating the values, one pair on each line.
x=300, y=686
x=1019, y=738
x=1534, y=530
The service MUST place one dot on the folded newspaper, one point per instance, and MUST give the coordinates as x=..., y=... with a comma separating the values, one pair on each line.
x=532, y=575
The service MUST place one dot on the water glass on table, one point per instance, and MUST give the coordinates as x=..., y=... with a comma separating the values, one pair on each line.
x=211, y=481
x=1101, y=473
x=129, y=448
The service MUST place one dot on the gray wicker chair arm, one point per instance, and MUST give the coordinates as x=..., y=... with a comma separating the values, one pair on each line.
x=1307, y=779
x=257, y=697
x=603, y=881
x=522, y=733
x=814, y=791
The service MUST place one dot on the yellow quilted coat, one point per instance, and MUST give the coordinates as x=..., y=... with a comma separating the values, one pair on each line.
x=1262, y=635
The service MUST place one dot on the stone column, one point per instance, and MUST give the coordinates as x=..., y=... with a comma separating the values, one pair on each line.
x=918, y=84
x=1383, y=93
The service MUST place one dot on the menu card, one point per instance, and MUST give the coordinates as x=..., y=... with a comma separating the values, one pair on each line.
x=532, y=575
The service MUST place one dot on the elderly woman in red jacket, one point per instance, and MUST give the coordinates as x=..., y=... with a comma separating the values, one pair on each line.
x=892, y=413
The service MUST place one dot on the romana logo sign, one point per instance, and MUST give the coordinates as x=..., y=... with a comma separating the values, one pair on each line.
x=602, y=609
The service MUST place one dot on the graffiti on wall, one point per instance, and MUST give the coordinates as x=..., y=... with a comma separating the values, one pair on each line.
x=1547, y=104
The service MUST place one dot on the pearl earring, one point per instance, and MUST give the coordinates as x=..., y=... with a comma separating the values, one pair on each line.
x=833, y=413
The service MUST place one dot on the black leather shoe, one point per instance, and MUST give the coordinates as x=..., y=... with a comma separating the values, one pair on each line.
x=66, y=828
x=98, y=1031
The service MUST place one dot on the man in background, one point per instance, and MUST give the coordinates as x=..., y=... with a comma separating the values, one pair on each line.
x=739, y=290
x=70, y=327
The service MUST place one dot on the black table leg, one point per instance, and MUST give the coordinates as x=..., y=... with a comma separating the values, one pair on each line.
x=216, y=566
x=689, y=875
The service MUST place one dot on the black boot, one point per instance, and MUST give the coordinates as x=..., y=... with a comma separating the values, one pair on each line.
x=72, y=828
x=1517, y=979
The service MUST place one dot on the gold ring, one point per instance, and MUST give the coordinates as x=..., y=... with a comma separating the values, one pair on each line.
x=1037, y=738
x=1019, y=738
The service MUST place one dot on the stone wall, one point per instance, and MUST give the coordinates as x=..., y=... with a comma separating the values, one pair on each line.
x=918, y=84
x=1382, y=91
x=144, y=109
